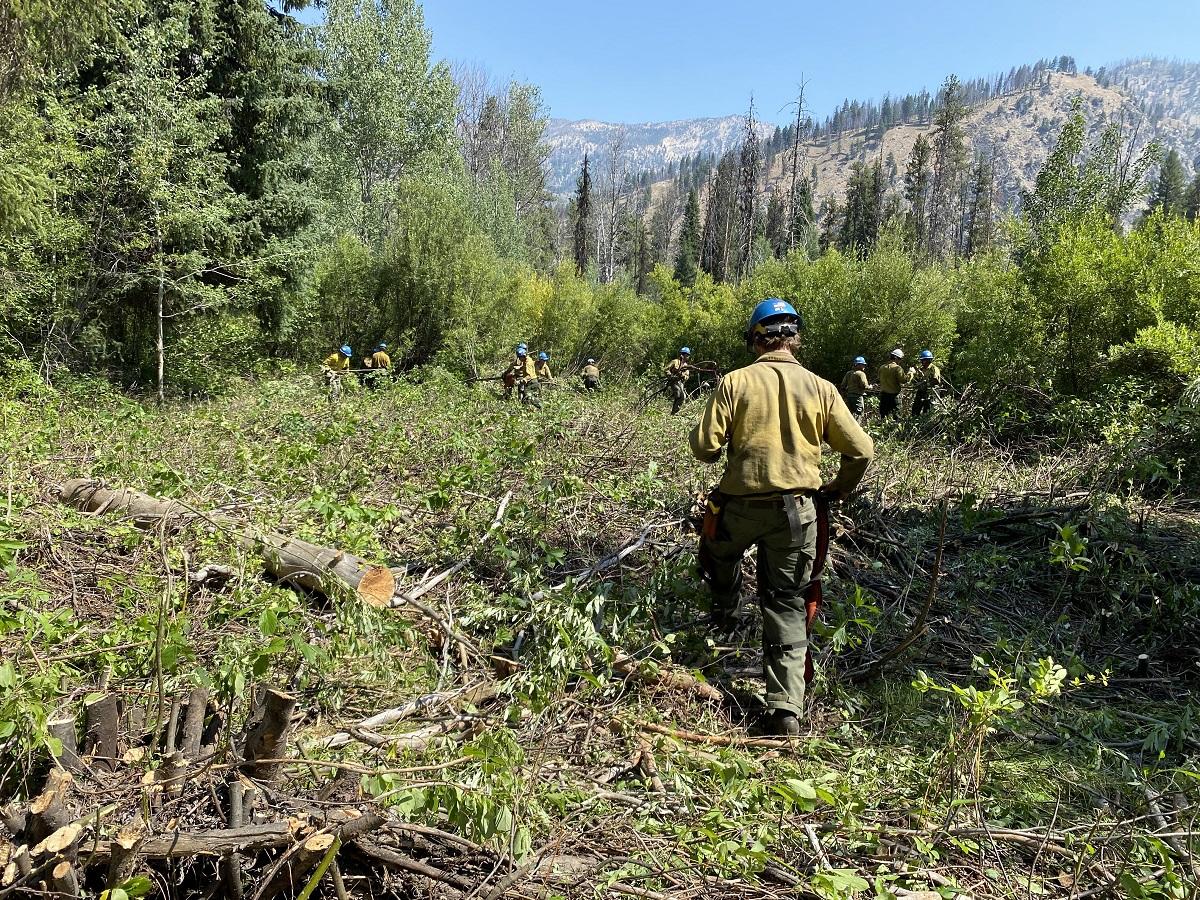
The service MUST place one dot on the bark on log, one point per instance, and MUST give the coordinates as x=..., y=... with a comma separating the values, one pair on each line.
x=290, y=560
x=193, y=723
x=63, y=880
x=218, y=842
x=48, y=811
x=268, y=737
x=231, y=866
x=665, y=676
x=64, y=731
x=103, y=732
x=124, y=851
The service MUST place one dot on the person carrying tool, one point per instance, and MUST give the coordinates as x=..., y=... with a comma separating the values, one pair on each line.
x=928, y=379
x=522, y=375
x=378, y=364
x=773, y=416
x=855, y=386
x=892, y=379
x=543, y=368
x=591, y=375
x=678, y=371
x=334, y=368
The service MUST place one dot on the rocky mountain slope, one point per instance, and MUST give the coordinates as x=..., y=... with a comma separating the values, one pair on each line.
x=1156, y=99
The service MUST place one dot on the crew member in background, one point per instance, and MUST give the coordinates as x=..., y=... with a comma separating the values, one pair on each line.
x=773, y=416
x=543, y=368
x=515, y=370
x=678, y=371
x=522, y=375
x=928, y=379
x=892, y=379
x=855, y=386
x=379, y=364
x=337, y=361
x=591, y=375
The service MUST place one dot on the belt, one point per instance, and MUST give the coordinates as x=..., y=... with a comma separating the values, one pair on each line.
x=770, y=501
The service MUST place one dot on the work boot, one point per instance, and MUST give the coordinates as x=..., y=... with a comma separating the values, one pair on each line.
x=781, y=722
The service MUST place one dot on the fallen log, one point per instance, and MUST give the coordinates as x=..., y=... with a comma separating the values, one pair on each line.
x=217, y=842
x=664, y=675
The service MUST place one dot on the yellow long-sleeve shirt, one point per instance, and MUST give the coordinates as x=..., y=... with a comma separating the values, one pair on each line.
x=337, y=362
x=928, y=377
x=380, y=360
x=678, y=369
x=543, y=371
x=855, y=383
x=591, y=371
x=773, y=416
x=522, y=367
x=893, y=377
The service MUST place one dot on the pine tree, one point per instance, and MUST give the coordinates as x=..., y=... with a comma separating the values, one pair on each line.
x=804, y=218
x=917, y=177
x=1191, y=201
x=983, y=206
x=687, y=260
x=718, y=247
x=831, y=221
x=583, y=215
x=777, y=232
x=749, y=165
x=1170, y=186
x=949, y=165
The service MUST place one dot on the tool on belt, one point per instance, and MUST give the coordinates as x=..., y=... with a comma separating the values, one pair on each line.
x=812, y=590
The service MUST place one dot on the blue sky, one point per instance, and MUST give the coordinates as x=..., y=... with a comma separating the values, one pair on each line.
x=653, y=60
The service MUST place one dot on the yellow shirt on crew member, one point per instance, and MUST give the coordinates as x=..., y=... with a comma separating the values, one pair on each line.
x=337, y=362
x=591, y=371
x=774, y=415
x=542, y=368
x=679, y=369
x=893, y=377
x=928, y=376
x=855, y=384
x=380, y=360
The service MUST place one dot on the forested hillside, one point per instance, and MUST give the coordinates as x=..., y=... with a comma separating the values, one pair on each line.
x=278, y=621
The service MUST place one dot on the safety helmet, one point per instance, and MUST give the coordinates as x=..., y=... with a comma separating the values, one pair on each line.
x=775, y=318
x=543, y=356
x=685, y=351
x=345, y=350
x=382, y=346
x=521, y=350
x=926, y=354
x=590, y=360
x=898, y=353
x=860, y=361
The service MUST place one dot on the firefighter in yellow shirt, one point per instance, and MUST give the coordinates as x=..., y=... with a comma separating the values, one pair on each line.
x=543, y=368
x=678, y=371
x=591, y=375
x=771, y=418
x=892, y=379
x=335, y=367
x=928, y=379
x=522, y=374
x=855, y=386
x=379, y=364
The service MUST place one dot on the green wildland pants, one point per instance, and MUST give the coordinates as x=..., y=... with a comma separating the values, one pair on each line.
x=786, y=545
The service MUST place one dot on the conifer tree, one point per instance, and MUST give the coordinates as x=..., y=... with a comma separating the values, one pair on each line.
x=804, y=219
x=749, y=164
x=949, y=165
x=1170, y=186
x=777, y=232
x=917, y=177
x=1191, y=201
x=983, y=193
x=687, y=260
x=583, y=214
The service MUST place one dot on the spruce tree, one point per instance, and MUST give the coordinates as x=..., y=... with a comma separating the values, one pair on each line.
x=583, y=215
x=949, y=165
x=1191, y=200
x=916, y=190
x=687, y=260
x=749, y=164
x=804, y=218
x=1170, y=186
x=983, y=192
x=777, y=232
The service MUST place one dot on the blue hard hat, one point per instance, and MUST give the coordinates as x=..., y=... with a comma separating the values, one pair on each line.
x=926, y=354
x=860, y=361
x=521, y=351
x=345, y=350
x=773, y=309
x=543, y=356
x=685, y=350
x=382, y=346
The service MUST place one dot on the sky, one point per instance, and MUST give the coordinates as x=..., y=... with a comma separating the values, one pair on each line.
x=657, y=60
